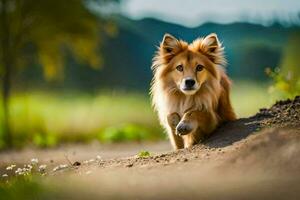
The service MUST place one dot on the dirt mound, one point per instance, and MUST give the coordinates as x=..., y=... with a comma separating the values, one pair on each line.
x=230, y=139
x=282, y=114
x=274, y=149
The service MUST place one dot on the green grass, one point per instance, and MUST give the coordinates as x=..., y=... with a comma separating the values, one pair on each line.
x=48, y=119
x=21, y=188
x=248, y=97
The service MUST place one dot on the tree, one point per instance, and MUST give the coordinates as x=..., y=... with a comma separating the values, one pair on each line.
x=48, y=27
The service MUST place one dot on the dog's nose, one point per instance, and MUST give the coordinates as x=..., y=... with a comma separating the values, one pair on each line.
x=189, y=83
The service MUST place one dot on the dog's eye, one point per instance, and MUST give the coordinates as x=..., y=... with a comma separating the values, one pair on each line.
x=179, y=68
x=199, y=68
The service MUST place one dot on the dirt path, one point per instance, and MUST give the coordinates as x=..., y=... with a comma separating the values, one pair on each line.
x=251, y=158
x=79, y=152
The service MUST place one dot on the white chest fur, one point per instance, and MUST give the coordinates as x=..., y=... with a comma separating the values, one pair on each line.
x=167, y=104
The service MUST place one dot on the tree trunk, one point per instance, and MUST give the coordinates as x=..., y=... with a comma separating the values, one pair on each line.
x=6, y=99
x=7, y=61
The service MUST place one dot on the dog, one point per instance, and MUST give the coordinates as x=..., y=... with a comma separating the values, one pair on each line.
x=190, y=90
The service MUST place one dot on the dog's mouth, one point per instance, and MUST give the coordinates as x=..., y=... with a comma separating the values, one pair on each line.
x=189, y=90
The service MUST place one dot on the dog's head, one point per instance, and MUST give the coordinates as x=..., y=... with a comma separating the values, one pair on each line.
x=186, y=67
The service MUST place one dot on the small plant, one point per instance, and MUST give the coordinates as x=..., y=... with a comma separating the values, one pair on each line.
x=285, y=85
x=26, y=170
x=144, y=154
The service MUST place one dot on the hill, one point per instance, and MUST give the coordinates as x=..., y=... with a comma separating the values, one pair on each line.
x=127, y=57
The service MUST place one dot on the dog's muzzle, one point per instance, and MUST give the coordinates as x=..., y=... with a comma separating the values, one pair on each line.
x=189, y=84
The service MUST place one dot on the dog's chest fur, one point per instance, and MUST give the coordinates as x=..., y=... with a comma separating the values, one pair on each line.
x=167, y=104
x=180, y=105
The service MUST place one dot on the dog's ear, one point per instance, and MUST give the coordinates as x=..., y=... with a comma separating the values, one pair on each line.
x=169, y=47
x=169, y=44
x=211, y=42
x=212, y=47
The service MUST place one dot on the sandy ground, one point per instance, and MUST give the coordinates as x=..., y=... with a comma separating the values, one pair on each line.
x=262, y=166
x=251, y=158
x=80, y=152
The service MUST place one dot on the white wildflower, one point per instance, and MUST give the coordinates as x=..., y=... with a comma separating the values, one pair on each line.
x=19, y=171
x=11, y=167
x=55, y=168
x=34, y=161
x=59, y=167
x=4, y=175
x=63, y=166
x=42, y=168
x=27, y=168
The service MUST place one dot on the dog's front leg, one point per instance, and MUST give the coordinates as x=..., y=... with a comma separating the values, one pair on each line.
x=195, y=125
x=176, y=140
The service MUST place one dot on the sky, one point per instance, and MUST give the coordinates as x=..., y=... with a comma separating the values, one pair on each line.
x=195, y=12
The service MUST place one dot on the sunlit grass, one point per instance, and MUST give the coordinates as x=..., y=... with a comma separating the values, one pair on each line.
x=249, y=97
x=47, y=119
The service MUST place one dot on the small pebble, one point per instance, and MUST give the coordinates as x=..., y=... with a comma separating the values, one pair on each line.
x=76, y=164
x=88, y=172
x=129, y=165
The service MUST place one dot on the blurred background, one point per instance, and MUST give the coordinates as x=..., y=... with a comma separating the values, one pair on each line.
x=79, y=70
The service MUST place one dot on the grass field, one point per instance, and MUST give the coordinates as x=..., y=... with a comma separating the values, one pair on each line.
x=47, y=119
x=248, y=97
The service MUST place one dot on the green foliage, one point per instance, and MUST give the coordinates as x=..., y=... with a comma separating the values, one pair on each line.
x=42, y=31
x=21, y=187
x=128, y=132
x=44, y=140
x=290, y=58
x=48, y=119
x=283, y=85
x=286, y=78
x=144, y=154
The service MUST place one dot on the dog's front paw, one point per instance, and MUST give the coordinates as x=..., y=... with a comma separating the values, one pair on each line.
x=184, y=128
x=173, y=120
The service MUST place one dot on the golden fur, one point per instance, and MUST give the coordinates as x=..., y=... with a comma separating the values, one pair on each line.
x=195, y=112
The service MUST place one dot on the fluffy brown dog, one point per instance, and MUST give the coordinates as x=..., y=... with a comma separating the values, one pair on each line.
x=190, y=89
